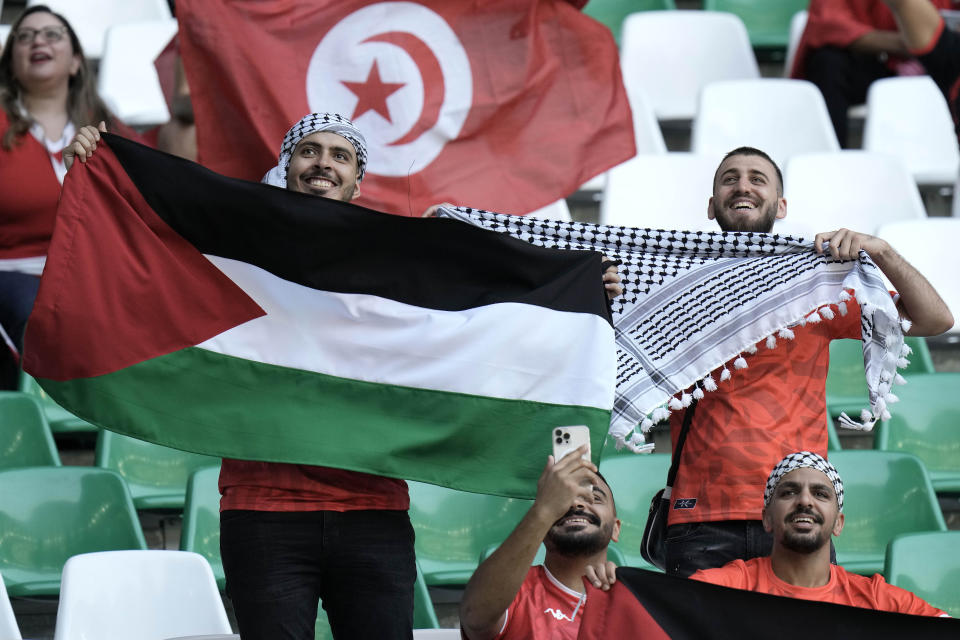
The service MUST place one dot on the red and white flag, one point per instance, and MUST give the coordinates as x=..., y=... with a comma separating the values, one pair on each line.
x=506, y=105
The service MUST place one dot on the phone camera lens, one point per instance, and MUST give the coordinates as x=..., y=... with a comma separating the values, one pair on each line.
x=559, y=440
x=566, y=436
x=559, y=432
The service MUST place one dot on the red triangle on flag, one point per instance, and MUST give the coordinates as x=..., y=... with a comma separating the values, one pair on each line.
x=120, y=286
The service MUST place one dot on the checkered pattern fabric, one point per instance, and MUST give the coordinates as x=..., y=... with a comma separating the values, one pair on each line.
x=797, y=461
x=312, y=123
x=694, y=301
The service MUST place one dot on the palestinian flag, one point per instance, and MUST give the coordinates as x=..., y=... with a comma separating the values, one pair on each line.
x=236, y=319
x=649, y=605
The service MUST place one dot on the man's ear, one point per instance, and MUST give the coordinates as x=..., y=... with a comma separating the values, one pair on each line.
x=838, y=525
x=710, y=215
x=781, y=208
x=356, y=192
x=616, y=531
x=767, y=521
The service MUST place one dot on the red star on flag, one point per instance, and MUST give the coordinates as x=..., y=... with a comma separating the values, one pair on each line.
x=372, y=93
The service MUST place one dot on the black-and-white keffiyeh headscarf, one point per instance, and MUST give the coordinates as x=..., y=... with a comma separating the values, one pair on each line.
x=796, y=461
x=697, y=301
x=312, y=123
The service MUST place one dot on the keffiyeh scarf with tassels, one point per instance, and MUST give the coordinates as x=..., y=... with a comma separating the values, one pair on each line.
x=697, y=301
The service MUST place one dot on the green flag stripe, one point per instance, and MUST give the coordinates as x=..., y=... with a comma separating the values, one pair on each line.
x=467, y=442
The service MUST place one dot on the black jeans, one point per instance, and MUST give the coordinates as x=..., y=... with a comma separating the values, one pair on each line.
x=279, y=565
x=843, y=78
x=705, y=545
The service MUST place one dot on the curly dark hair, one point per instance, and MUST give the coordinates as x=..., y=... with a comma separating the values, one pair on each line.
x=83, y=104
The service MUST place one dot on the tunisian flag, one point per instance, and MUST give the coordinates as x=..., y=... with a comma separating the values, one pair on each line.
x=505, y=105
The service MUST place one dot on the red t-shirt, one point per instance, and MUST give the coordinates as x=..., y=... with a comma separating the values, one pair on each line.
x=28, y=206
x=274, y=486
x=774, y=407
x=543, y=609
x=842, y=588
x=838, y=23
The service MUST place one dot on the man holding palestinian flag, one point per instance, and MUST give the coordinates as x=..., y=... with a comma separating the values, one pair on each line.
x=251, y=383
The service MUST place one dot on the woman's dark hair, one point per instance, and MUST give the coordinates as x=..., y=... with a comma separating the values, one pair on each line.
x=83, y=104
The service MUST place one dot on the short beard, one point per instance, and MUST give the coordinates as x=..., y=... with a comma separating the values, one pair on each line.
x=805, y=543
x=578, y=543
x=763, y=224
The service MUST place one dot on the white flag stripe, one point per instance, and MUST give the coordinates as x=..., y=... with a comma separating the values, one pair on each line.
x=508, y=350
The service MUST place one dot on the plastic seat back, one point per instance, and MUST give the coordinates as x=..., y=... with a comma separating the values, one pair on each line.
x=634, y=480
x=691, y=49
x=668, y=191
x=200, y=532
x=127, y=79
x=816, y=186
x=612, y=13
x=48, y=514
x=846, y=382
x=926, y=423
x=928, y=245
x=927, y=564
x=454, y=527
x=59, y=419
x=768, y=23
x=91, y=18
x=782, y=117
x=885, y=494
x=908, y=117
x=138, y=595
x=797, y=24
x=8, y=622
x=25, y=437
x=156, y=475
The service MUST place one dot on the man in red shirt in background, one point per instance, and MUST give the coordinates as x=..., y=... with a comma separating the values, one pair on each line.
x=848, y=44
x=803, y=507
x=777, y=404
x=936, y=46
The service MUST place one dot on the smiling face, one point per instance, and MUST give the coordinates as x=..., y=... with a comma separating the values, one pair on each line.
x=43, y=60
x=324, y=164
x=585, y=529
x=746, y=194
x=803, y=511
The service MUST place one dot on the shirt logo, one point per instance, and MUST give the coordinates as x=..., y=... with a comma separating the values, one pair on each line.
x=557, y=615
x=684, y=503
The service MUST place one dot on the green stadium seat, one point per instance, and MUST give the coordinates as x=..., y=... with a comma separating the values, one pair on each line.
x=25, y=437
x=634, y=480
x=156, y=475
x=200, y=532
x=48, y=514
x=60, y=420
x=424, y=615
x=885, y=494
x=846, y=384
x=768, y=23
x=612, y=12
x=926, y=423
x=454, y=527
x=927, y=564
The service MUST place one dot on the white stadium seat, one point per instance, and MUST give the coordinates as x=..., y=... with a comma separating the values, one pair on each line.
x=909, y=118
x=858, y=190
x=668, y=191
x=91, y=18
x=673, y=54
x=779, y=116
x=127, y=80
x=931, y=246
x=139, y=595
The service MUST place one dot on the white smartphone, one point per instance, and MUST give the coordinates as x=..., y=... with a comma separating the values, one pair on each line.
x=567, y=439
